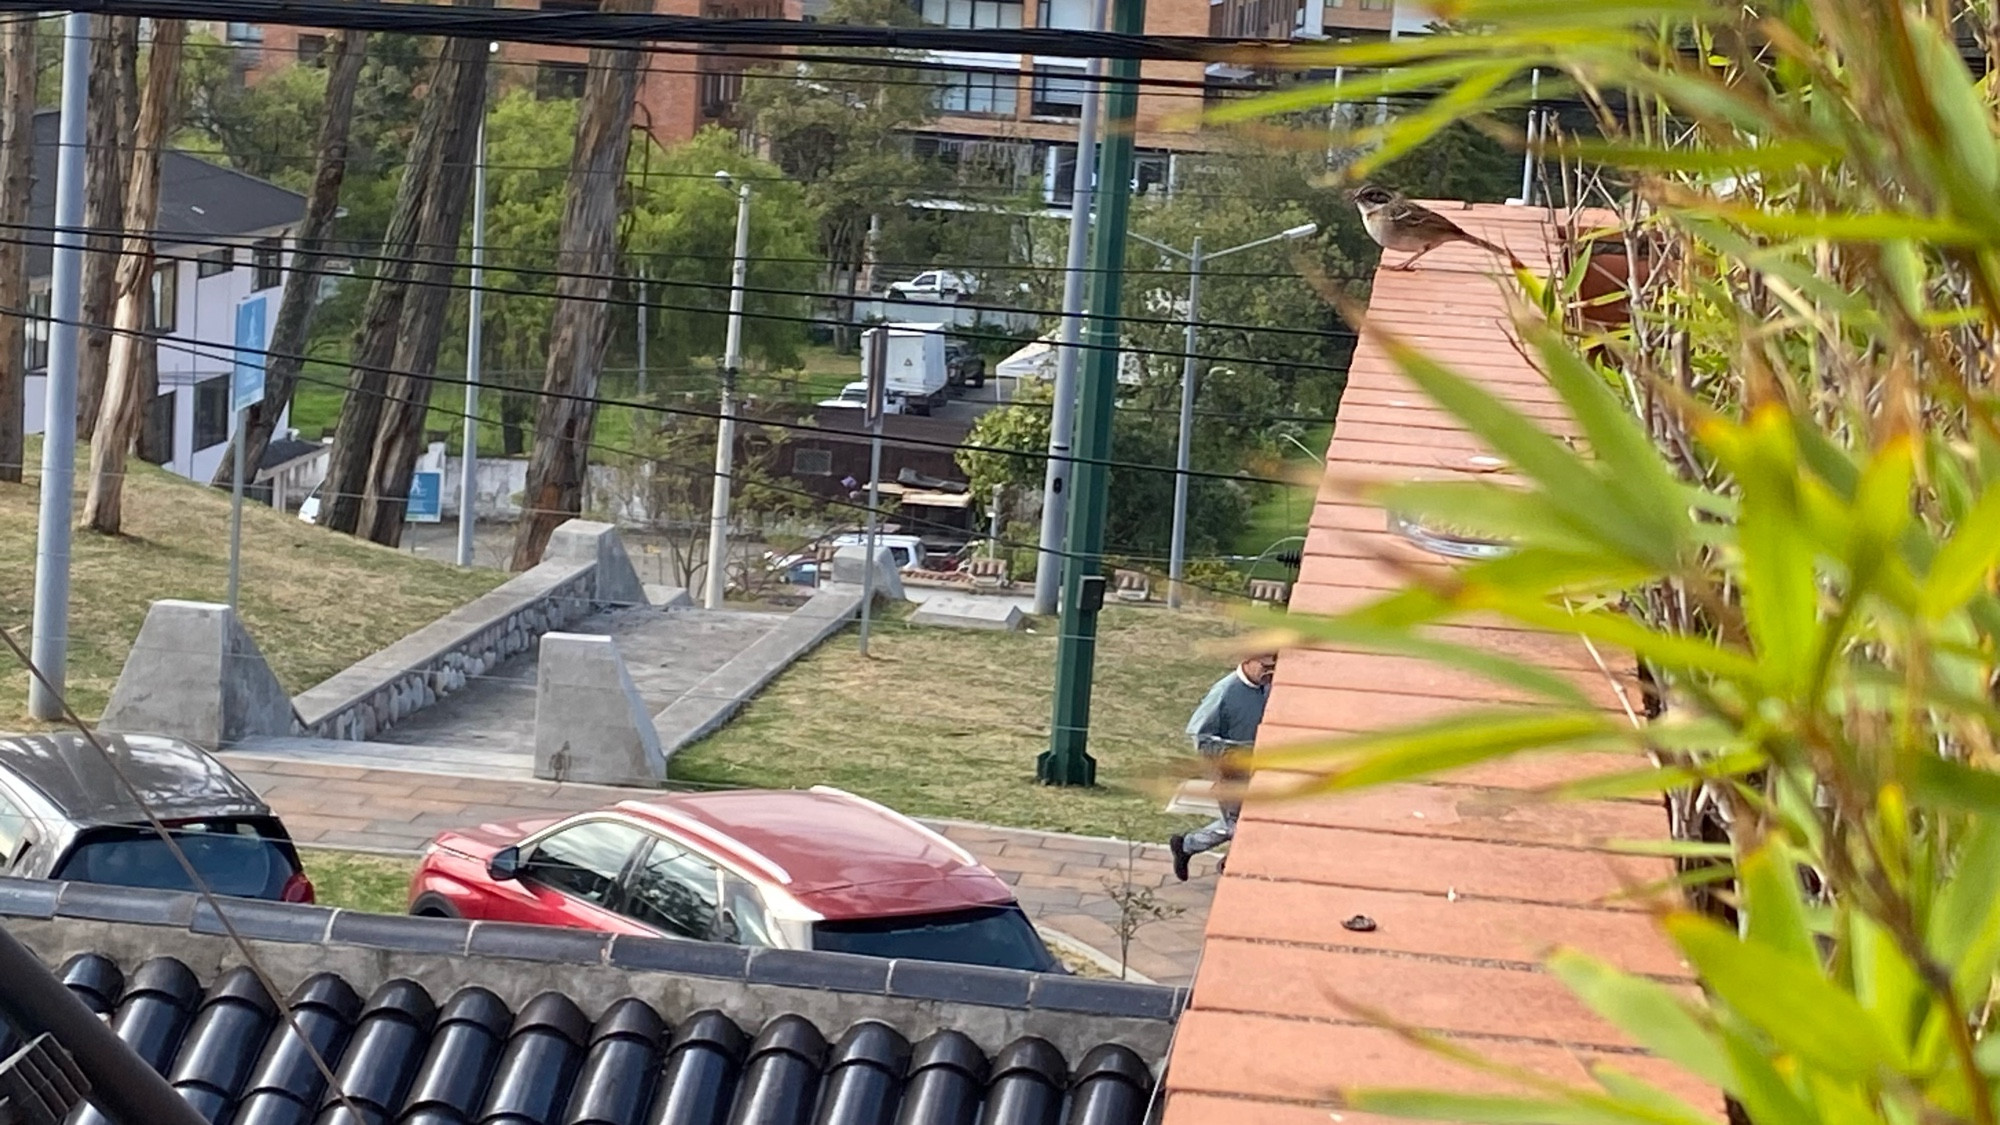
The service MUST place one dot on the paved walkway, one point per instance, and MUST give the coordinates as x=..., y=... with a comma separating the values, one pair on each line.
x=1059, y=879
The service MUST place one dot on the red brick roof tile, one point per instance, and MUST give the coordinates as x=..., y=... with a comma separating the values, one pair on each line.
x=1469, y=878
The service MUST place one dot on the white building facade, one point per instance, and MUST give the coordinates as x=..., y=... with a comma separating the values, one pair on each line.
x=223, y=237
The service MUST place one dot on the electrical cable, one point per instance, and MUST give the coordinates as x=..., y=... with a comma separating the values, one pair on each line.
x=201, y=351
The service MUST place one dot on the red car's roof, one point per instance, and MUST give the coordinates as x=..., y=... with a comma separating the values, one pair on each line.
x=837, y=854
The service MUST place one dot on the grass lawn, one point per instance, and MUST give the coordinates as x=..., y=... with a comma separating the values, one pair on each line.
x=946, y=722
x=315, y=601
x=379, y=884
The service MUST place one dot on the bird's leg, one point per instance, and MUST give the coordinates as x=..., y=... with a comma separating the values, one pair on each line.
x=1411, y=262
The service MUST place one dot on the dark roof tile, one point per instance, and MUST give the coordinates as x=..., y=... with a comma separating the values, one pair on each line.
x=1107, y=997
x=398, y=931
x=847, y=972
x=102, y=903
x=271, y=921
x=963, y=984
x=666, y=955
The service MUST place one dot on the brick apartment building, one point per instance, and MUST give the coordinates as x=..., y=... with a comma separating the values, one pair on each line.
x=1008, y=115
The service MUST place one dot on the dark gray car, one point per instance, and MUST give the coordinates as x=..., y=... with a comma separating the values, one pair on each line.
x=65, y=814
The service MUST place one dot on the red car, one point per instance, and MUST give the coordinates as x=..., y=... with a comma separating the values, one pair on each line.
x=790, y=869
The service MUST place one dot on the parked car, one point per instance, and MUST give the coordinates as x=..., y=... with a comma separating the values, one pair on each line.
x=854, y=396
x=963, y=365
x=65, y=814
x=787, y=869
x=933, y=283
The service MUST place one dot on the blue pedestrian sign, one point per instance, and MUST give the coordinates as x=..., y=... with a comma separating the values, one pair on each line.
x=246, y=383
x=426, y=503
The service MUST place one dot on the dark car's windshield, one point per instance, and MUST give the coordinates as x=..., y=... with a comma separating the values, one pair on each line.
x=233, y=856
x=1000, y=936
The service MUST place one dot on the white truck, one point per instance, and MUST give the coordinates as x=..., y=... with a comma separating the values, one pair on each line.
x=916, y=364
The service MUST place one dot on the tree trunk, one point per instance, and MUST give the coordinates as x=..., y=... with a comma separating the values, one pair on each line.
x=561, y=458
x=125, y=383
x=461, y=87
x=360, y=420
x=17, y=153
x=107, y=157
x=309, y=255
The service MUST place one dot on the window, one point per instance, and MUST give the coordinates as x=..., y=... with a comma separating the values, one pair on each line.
x=211, y=412
x=164, y=313
x=677, y=891
x=1057, y=94
x=585, y=859
x=743, y=918
x=312, y=50
x=156, y=437
x=1000, y=936
x=971, y=13
x=245, y=33
x=1374, y=5
x=966, y=91
x=13, y=830
x=267, y=262
x=243, y=857
x=570, y=5
x=1069, y=15
x=213, y=262
x=35, y=342
x=559, y=80
x=812, y=462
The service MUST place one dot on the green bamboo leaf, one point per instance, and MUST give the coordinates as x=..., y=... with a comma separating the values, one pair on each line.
x=1365, y=87
x=1590, y=506
x=1883, y=980
x=1649, y=1012
x=1495, y=511
x=1769, y=1099
x=1530, y=678
x=1667, y=650
x=1676, y=849
x=1780, y=583
x=1633, y=1091
x=1423, y=750
x=1779, y=156
x=1492, y=1109
x=1964, y=930
x=1769, y=989
x=1773, y=914
x=1968, y=122
x=1650, y=782
x=1838, y=226
x=1966, y=561
x=1476, y=95
x=1632, y=466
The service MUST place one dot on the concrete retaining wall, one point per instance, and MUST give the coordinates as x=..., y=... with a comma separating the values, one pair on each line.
x=714, y=700
x=379, y=691
x=585, y=568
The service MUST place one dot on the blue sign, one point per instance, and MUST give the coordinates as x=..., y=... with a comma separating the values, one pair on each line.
x=246, y=383
x=426, y=503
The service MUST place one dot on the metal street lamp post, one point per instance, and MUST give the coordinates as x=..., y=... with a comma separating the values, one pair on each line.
x=725, y=433
x=1183, y=449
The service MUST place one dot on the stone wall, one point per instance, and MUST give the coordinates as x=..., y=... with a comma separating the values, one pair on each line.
x=438, y=659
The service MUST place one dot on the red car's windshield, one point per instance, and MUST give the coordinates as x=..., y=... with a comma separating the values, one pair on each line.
x=1000, y=936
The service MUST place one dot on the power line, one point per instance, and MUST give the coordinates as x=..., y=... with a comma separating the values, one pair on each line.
x=633, y=302
x=203, y=351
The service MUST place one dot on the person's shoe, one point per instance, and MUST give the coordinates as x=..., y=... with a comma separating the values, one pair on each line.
x=1219, y=864
x=1177, y=844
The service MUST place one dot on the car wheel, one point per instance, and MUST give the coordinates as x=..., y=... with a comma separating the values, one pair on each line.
x=430, y=906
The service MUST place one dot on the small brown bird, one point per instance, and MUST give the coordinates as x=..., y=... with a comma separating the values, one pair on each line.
x=1399, y=224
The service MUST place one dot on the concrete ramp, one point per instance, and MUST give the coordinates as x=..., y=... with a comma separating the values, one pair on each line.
x=715, y=700
x=968, y=611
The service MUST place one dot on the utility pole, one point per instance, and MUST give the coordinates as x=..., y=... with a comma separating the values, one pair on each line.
x=1067, y=761
x=1183, y=453
x=642, y=332
x=725, y=431
x=878, y=378
x=1528, y=150
x=51, y=624
x=1062, y=414
x=475, y=331
x=1184, y=447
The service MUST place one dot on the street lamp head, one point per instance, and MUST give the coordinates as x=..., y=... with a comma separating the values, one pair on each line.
x=1303, y=230
x=724, y=178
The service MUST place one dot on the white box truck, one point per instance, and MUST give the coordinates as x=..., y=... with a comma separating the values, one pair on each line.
x=916, y=364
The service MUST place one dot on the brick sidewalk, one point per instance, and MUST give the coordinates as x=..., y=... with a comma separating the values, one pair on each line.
x=1059, y=879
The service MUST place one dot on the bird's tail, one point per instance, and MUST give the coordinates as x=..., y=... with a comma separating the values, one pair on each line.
x=1496, y=248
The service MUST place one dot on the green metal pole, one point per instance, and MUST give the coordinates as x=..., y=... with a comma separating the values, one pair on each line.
x=1067, y=761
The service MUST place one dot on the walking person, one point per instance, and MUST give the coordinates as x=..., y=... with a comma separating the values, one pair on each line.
x=1223, y=728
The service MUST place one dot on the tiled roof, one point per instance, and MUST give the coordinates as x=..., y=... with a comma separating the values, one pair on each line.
x=199, y=202
x=1468, y=879
x=442, y=1022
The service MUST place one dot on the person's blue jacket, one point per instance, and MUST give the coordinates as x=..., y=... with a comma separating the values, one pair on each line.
x=1228, y=714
